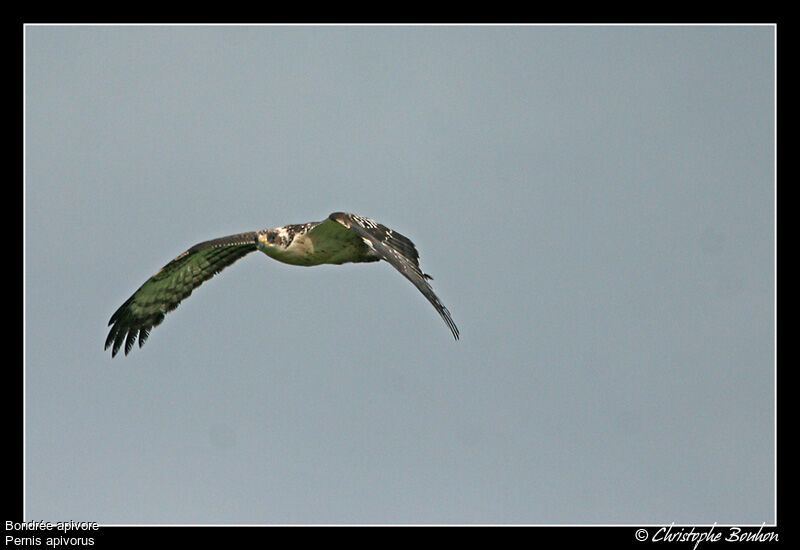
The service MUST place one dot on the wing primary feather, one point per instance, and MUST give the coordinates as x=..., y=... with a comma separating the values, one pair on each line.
x=143, y=334
x=129, y=341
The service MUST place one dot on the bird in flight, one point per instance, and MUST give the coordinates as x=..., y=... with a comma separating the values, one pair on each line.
x=341, y=238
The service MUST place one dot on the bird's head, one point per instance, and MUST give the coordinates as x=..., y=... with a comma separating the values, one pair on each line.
x=269, y=238
x=272, y=241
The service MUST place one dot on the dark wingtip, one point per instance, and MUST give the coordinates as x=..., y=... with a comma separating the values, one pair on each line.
x=143, y=334
x=119, y=339
x=130, y=340
x=109, y=339
x=455, y=331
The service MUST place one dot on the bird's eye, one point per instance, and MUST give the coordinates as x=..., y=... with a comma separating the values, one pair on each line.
x=271, y=236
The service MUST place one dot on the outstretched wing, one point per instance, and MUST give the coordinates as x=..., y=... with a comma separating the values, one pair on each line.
x=162, y=292
x=399, y=251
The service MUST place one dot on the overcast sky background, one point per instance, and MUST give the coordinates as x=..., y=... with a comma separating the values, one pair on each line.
x=596, y=205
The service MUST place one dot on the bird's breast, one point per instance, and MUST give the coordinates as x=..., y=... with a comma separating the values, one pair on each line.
x=304, y=251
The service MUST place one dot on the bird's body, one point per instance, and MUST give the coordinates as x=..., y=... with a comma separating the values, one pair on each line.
x=341, y=238
x=315, y=243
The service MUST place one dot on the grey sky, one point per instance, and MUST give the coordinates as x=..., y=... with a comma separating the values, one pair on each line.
x=596, y=205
